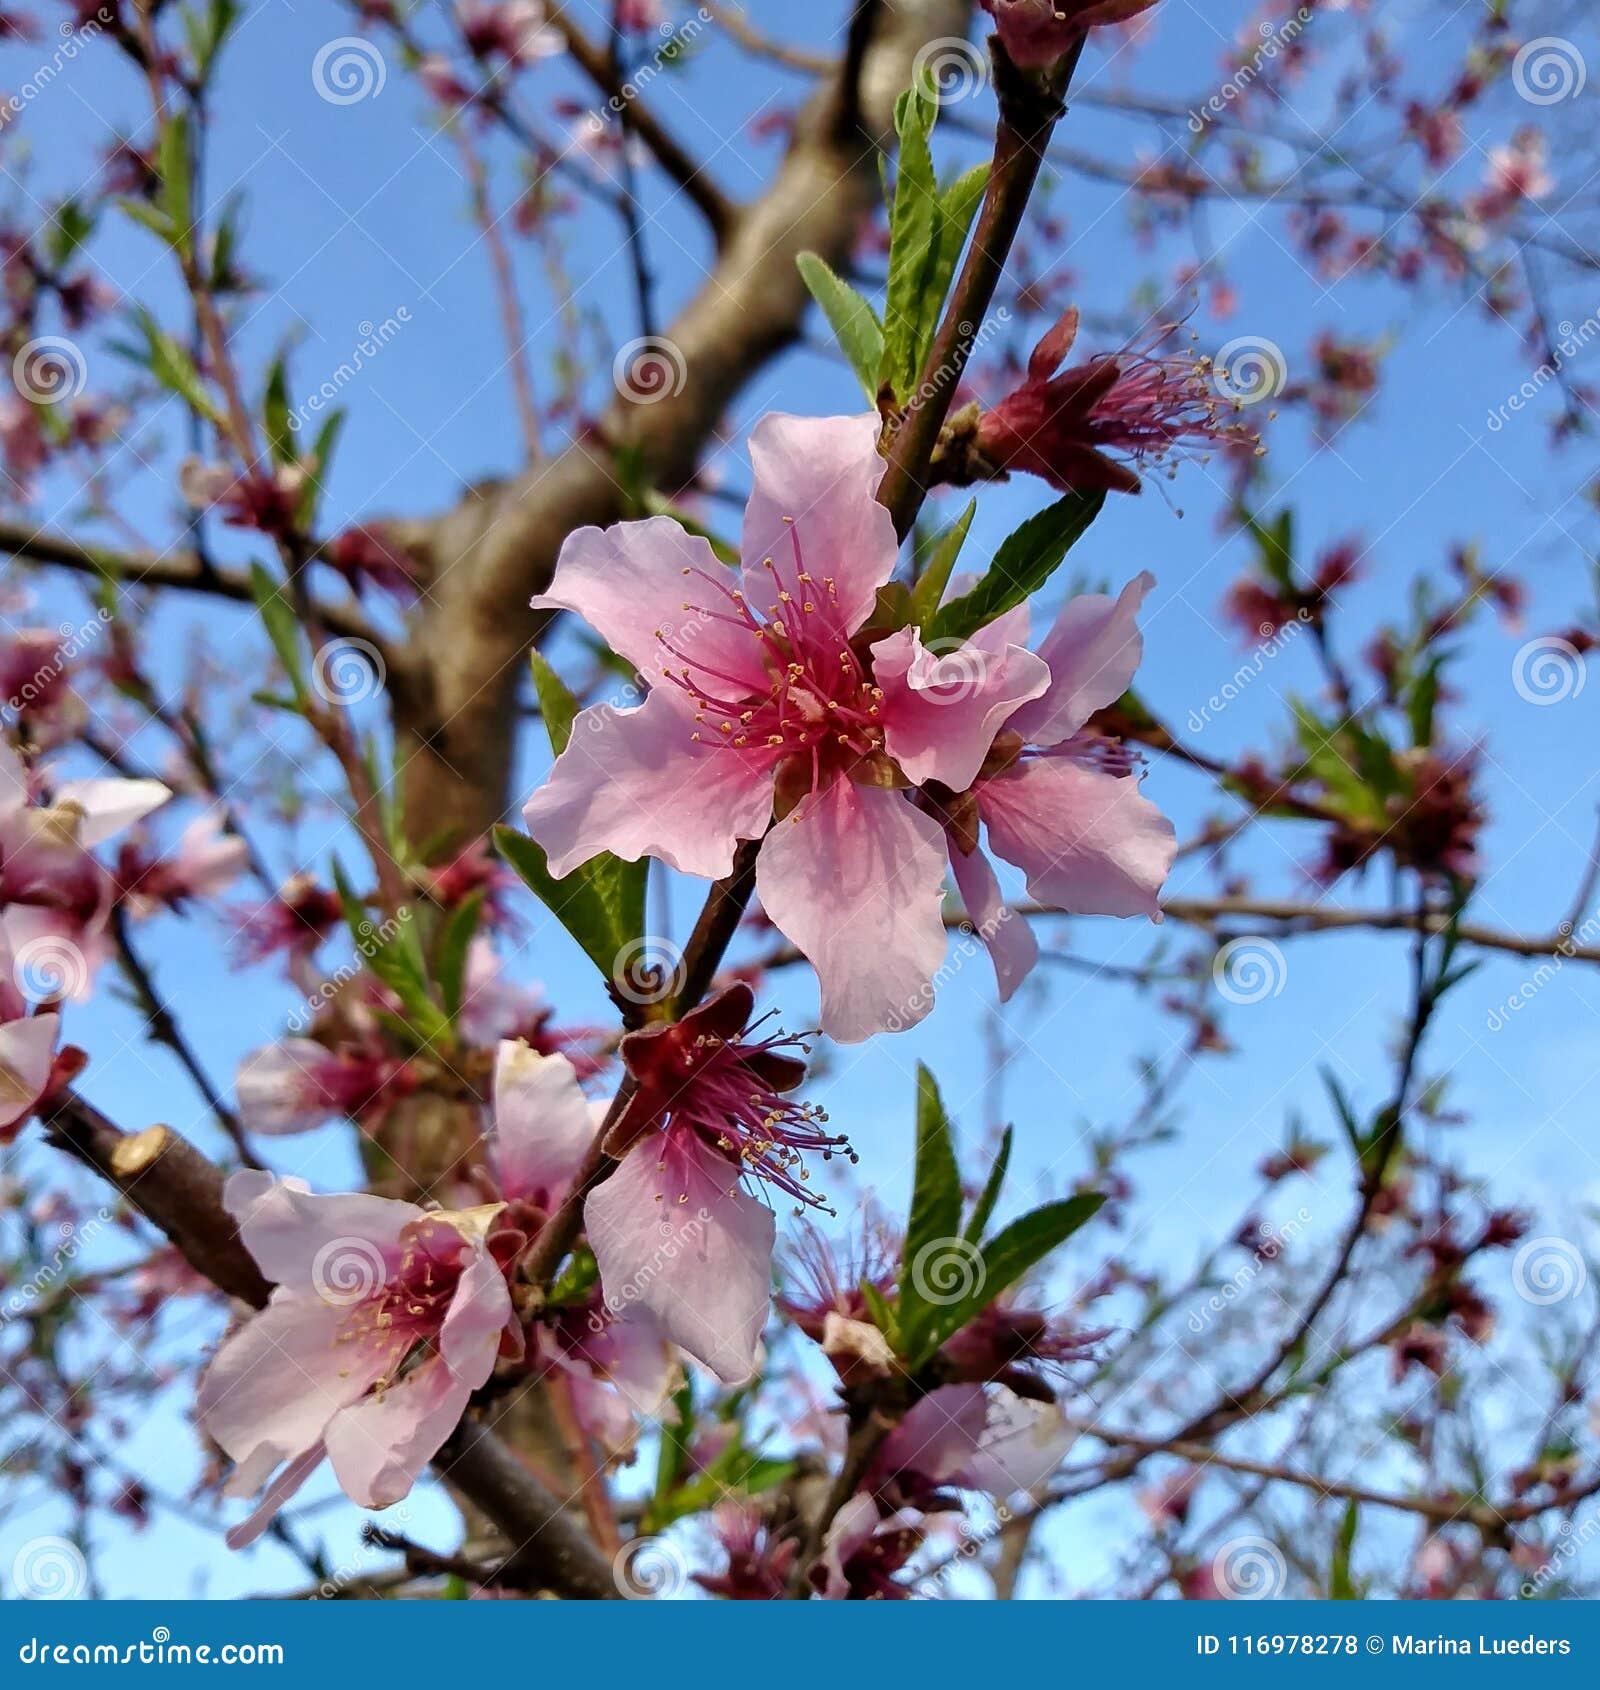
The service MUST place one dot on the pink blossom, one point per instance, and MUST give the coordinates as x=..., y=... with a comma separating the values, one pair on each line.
x=969, y=1437
x=206, y=861
x=615, y=1360
x=671, y=1229
x=297, y=1085
x=385, y=1320
x=1036, y=33
x=850, y=743
x=1099, y=424
x=52, y=890
x=27, y=1049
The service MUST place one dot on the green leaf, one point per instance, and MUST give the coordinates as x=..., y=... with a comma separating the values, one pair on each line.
x=991, y=1191
x=278, y=618
x=601, y=904
x=1024, y=563
x=167, y=361
x=450, y=957
x=936, y=1187
x=933, y=1229
x=67, y=230
x=1003, y=1261
x=958, y=205
x=556, y=703
x=393, y=951
x=206, y=32
x=854, y=323
x=1341, y=1586
x=275, y=414
x=318, y=461
x=173, y=167
x=148, y=216
x=925, y=596
x=913, y=227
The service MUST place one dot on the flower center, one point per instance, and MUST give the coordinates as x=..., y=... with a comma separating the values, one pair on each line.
x=410, y=1308
x=821, y=707
x=727, y=1101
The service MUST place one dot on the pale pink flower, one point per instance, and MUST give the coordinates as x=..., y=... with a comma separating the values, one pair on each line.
x=671, y=1229
x=296, y=1085
x=855, y=746
x=1063, y=806
x=385, y=1320
x=760, y=703
x=52, y=890
x=206, y=861
x=616, y=1360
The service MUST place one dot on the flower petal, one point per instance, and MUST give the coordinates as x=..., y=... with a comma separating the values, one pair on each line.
x=1012, y=946
x=1092, y=651
x=469, y=1339
x=278, y=1088
x=27, y=1053
x=1088, y=842
x=633, y=782
x=855, y=879
x=542, y=1123
x=380, y=1445
x=636, y=580
x=941, y=711
x=109, y=806
x=280, y=1377
x=287, y=1228
x=822, y=474
x=671, y=1230
x=277, y=1493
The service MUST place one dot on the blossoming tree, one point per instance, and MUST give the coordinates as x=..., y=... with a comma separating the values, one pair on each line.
x=864, y=679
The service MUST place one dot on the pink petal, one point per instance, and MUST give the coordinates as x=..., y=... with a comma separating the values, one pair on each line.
x=27, y=1053
x=282, y=1488
x=823, y=473
x=855, y=879
x=941, y=712
x=1009, y=936
x=1089, y=842
x=542, y=1123
x=634, y=782
x=853, y=1527
x=280, y=1377
x=278, y=1090
x=672, y=1232
x=380, y=1445
x=940, y=1435
x=288, y=1228
x=1022, y=1445
x=109, y=806
x=629, y=583
x=469, y=1339
x=1092, y=651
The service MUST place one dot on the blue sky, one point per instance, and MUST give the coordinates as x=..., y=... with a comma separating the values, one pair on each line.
x=355, y=212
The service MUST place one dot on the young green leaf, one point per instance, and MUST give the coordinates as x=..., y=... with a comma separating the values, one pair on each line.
x=556, y=703
x=991, y=1191
x=1023, y=564
x=173, y=167
x=278, y=618
x=450, y=956
x=913, y=227
x=854, y=323
x=601, y=904
x=929, y=590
